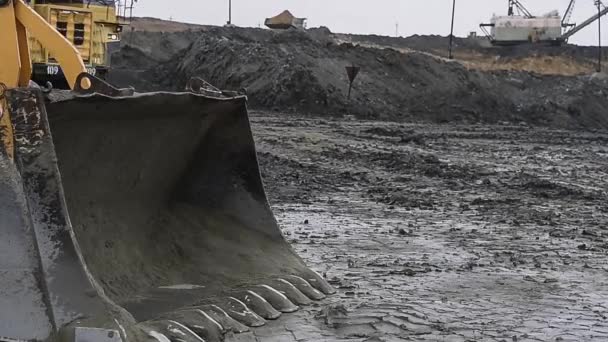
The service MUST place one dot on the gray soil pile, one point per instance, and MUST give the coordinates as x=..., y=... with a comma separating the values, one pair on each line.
x=303, y=71
x=438, y=45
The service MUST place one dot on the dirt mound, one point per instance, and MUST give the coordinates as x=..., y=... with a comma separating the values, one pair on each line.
x=303, y=71
x=159, y=25
x=478, y=53
x=427, y=43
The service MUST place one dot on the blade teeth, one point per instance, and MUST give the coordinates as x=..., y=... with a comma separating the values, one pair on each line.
x=227, y=322
x=305, y=287
x=158, y=336
x=240, y=312
x=319, y=283
x=215, y=325
x=248, y=309
x=292, y=292
x=259, y=305
x=277, y=299
x=198, y=321
x=186, y=331
x=171, y=331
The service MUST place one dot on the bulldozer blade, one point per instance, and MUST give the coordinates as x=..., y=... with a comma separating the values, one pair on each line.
x=167, y=211
x=23, y=311
x=44, y=285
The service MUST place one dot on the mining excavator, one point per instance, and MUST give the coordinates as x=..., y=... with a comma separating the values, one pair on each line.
x=131, y=216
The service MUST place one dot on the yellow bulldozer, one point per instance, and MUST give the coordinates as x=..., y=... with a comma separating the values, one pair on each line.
x=130, y=216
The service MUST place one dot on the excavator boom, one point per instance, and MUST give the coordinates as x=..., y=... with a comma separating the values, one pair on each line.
x=584, y=24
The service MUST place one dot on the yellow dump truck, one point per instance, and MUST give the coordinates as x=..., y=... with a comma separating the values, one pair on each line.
x=92, y=26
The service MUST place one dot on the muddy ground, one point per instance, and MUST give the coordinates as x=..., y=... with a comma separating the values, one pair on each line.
x=441, y=232
x=447, y=200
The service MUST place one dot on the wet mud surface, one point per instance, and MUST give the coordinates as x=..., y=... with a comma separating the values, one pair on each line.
x=441, y=233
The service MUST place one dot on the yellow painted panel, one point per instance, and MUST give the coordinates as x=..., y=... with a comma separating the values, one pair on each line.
x=60, y=48
x=99, y=22
x=24, y=55
x=9, y=51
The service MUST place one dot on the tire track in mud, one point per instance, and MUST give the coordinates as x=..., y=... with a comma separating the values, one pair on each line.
x=462, y=233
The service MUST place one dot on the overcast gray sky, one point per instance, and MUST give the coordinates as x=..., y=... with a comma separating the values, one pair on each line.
x=360, y=16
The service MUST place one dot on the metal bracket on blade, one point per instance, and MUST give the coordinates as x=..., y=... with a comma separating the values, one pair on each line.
x=198, y=85
x=83, y=334
x=89, y=84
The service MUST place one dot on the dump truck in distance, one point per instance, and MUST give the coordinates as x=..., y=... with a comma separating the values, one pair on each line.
x=92, y=26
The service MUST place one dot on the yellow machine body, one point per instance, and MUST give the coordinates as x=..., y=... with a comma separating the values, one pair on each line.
x=90, y=26
x=17, y=21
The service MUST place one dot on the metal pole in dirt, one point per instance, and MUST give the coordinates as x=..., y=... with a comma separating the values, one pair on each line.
x=229, y=12
x=450, y=56
x=352, y=72
x=599, y=35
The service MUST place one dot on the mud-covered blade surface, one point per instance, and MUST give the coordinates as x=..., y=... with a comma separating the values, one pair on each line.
x=165, y=197
x=44, y=284
x=23, y=311
x=153, y=202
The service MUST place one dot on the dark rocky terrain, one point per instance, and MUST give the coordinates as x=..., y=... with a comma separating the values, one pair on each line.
x=303, y=71
x=447, y=201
